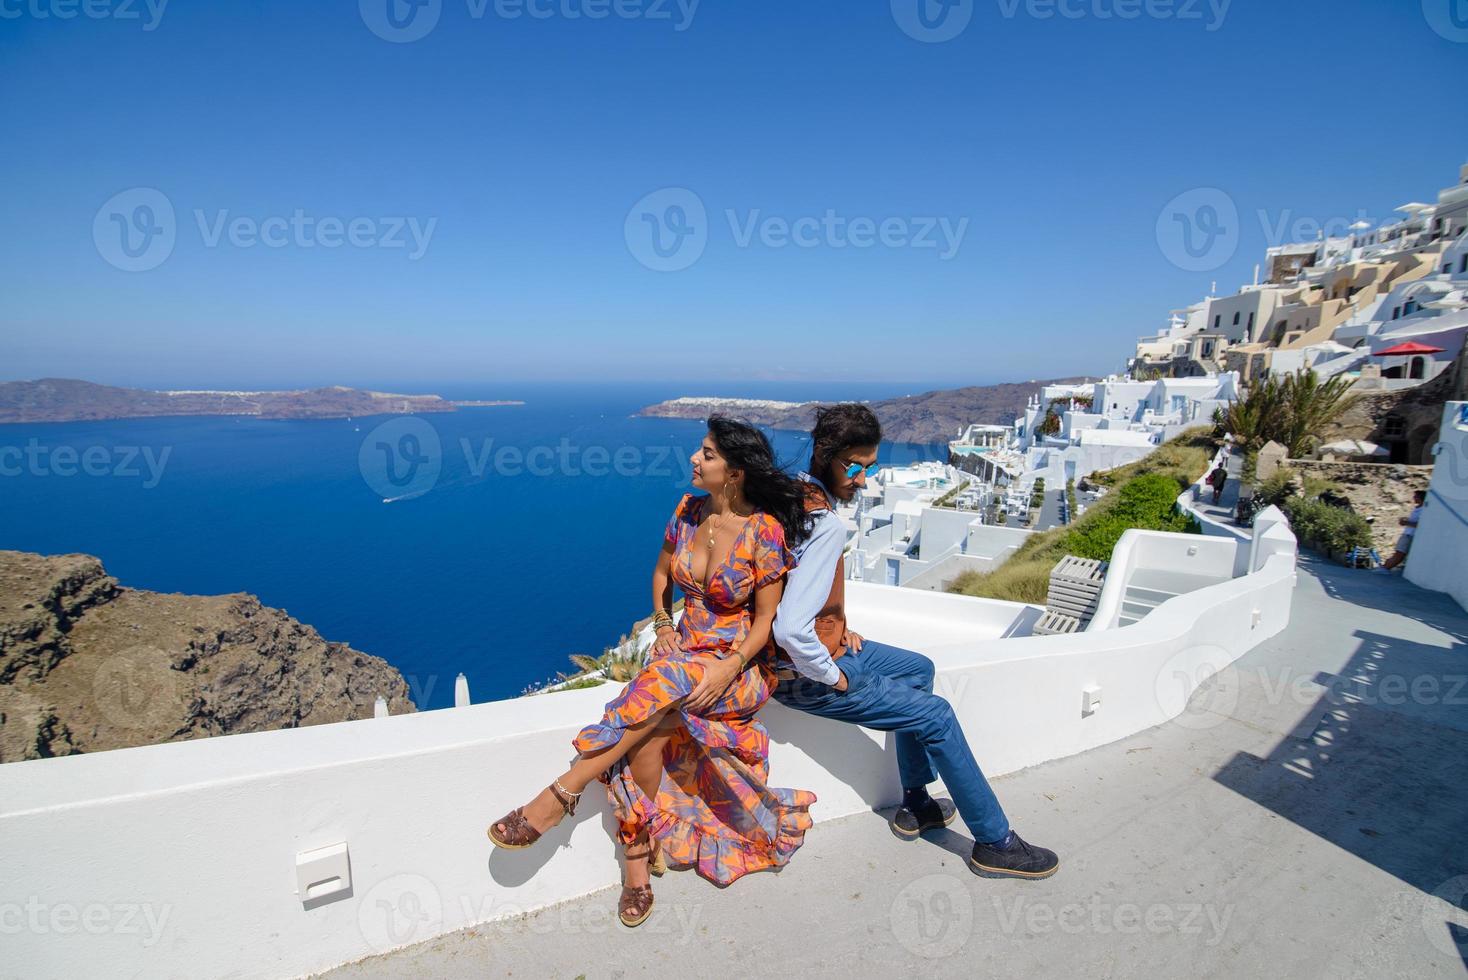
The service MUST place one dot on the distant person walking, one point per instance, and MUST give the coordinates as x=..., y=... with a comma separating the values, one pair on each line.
x=1409, y=531
x=1217, y=479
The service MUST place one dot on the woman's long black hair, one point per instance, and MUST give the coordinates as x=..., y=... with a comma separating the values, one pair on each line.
x=766, y=485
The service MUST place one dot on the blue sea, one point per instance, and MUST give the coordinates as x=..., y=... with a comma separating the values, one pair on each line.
x=514, y=536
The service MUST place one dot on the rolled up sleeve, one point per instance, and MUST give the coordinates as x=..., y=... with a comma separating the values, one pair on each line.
x=807, y=587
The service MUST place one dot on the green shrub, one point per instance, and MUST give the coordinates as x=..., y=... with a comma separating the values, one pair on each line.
x=1146, y=498
x=1277, y=489
x=1326, y=528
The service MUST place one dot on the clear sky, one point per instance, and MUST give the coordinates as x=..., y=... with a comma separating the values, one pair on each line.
x=986, y=206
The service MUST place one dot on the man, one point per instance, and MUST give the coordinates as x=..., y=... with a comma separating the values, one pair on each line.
x=827, y=670
x=1218, y=479
x=1409, y=531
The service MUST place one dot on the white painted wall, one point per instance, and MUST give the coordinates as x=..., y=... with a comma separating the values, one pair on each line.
x=1439, y=556
x=177, y=860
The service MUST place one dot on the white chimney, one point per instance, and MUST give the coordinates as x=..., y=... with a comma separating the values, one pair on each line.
x=379, y=709
x=461, y=691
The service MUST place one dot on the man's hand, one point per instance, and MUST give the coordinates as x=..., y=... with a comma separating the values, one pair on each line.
x=666, y=644
x=852, y=641
x=841, y=685
x=717, y=677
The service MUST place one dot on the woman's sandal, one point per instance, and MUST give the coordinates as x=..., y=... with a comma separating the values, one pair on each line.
x=518, y=834
x=636, y=903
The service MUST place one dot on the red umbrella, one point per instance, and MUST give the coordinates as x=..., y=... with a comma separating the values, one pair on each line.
x=1410, y=347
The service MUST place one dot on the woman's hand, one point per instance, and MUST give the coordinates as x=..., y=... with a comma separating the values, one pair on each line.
x=717, y=677
x=852, y=641
x=666, y=643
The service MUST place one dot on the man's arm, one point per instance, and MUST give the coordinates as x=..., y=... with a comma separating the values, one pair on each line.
x=807, y=587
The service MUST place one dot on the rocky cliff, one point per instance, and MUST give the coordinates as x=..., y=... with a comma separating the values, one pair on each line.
x=87, y=665
x=931, y=417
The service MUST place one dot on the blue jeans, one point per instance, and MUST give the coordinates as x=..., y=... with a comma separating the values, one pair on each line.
x=891, y=690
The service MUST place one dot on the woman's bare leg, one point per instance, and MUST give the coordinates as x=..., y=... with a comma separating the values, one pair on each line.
x=544, y=812
x=646, y=765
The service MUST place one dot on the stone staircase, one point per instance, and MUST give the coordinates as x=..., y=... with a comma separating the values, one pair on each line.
x=1075, y=588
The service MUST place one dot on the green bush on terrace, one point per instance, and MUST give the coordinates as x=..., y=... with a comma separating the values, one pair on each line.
x=1143, y=494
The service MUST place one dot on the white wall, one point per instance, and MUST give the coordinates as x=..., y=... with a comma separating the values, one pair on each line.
x=201, y=836
x=1439, y=556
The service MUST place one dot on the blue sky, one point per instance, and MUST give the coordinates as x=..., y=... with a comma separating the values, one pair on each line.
x=1048, y=147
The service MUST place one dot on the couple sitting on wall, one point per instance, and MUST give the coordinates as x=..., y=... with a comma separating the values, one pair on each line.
x=758, y=556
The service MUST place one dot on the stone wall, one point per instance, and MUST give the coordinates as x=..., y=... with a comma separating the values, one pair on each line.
x=1404, y=421
x=1380, y=492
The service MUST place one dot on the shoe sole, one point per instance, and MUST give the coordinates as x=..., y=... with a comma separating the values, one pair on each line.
x=984, y=871
x=634, y=923
x=505, y=845
x=914, y=834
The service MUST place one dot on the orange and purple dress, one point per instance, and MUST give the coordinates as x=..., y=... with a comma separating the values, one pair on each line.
x=714, y=810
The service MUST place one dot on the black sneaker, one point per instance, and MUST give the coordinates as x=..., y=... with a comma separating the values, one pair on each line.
x=931, y=815
x=1013, y=858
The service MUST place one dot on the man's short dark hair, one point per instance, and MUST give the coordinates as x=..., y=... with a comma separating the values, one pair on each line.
x=840, y=428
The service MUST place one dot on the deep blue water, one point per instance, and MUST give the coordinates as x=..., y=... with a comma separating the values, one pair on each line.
x=496, y=573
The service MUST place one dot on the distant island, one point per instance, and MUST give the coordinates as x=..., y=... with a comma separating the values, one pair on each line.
x=69, y=400
x=931, y=417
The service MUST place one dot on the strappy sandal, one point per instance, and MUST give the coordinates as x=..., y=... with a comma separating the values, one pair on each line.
x=518, y=834
x=636, y=903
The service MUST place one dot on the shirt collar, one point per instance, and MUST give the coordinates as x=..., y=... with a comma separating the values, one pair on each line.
x=810, y=479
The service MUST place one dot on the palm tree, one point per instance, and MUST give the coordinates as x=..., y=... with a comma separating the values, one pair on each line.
x=1311, y=407
x=1257, y=417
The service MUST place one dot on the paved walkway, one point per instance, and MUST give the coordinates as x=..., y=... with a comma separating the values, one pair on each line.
x=1306, y=817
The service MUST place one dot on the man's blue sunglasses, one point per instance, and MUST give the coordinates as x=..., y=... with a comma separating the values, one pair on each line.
x=854, y=468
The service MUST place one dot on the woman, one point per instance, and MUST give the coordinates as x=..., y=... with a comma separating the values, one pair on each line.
x=684, y=760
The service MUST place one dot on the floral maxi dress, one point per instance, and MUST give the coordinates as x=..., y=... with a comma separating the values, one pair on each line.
x=714, y=810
